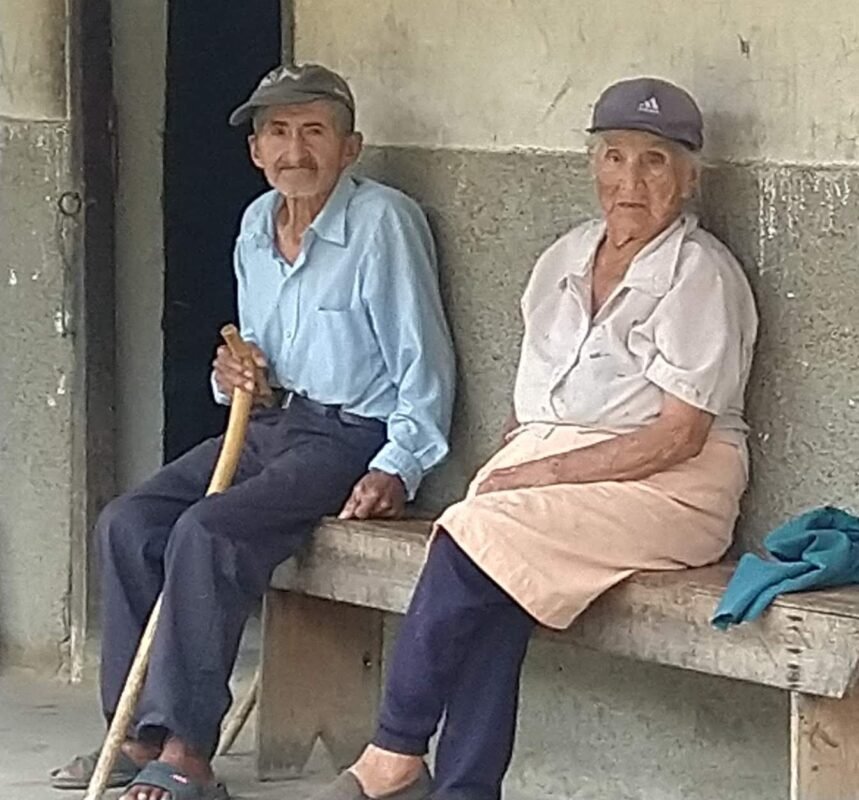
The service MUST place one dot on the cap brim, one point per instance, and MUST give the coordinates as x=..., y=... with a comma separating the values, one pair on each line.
x=244, y=113
x=644, y=126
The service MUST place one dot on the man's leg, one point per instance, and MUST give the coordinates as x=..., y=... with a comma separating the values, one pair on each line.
x=132, y=531
x=459, y=651
x=218, y=563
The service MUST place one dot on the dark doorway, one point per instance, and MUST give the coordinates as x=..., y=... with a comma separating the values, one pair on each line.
x=216, y=52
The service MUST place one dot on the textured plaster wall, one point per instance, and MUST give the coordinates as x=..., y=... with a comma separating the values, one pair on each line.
x=776, y=80
x=462, y=101
x=37, y=358
x=591, y=726
x=32, y=60
x=794, y=230
x=139, y=46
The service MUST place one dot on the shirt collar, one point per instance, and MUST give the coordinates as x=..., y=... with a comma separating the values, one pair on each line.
x=652, y=270
x=330, y=222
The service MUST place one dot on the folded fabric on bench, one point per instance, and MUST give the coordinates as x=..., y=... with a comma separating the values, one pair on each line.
x=815, y=550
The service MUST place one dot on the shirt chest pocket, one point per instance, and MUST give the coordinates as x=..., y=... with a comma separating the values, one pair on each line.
x=342, y=332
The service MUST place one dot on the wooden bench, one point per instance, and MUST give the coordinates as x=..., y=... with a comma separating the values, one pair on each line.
x=322, y=649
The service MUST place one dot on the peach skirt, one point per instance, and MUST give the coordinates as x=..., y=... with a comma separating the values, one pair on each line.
x=556, y=549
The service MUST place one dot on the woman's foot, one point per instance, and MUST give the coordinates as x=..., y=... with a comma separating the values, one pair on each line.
x=187, y=763
x=381, y=772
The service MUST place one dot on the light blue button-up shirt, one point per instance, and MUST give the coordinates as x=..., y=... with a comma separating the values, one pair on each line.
x=357, y=320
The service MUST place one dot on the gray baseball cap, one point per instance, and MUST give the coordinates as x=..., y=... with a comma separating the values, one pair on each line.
x=653, y=105
x=291, y=84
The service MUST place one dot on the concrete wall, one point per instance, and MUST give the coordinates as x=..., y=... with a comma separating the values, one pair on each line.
x=478, y=109
x=36, y=255
x=478, y=74
x=139, y=46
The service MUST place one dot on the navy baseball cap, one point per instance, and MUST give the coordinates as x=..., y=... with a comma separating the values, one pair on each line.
x=652, y=105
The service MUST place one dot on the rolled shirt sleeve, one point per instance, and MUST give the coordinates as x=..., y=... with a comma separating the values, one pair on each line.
x=404, y=303
x=220, y=398
x=704, y=330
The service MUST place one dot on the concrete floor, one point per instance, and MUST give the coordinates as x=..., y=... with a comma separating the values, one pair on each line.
x=43, y=722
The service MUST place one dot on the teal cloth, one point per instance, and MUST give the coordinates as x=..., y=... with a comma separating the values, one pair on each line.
x=813, y=551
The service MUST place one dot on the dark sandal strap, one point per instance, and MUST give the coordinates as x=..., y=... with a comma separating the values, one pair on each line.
x=78, y=772
x=181, y=787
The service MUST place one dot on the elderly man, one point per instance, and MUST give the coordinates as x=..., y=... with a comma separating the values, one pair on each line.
x=338, y=292
x=628, y=452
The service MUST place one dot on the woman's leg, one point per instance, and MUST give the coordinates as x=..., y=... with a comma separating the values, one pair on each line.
x=476, y=741
x=460, y=649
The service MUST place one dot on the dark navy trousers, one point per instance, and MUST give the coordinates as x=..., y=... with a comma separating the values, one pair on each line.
x=459, y=653
x=213, y=558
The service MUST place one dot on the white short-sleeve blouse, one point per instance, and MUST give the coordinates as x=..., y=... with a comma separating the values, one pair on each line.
x=682, y=321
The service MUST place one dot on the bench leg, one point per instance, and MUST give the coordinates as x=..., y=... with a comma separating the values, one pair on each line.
x=824, y=747
x=321, y=677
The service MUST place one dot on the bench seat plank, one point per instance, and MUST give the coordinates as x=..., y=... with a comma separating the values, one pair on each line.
x=805, y=643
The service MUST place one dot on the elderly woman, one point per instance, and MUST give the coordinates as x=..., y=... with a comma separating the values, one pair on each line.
x=627, y=453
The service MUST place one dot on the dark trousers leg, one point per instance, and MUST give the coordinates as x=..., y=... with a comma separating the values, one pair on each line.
x=132, y=531
x=220, y=555
x=460, y=651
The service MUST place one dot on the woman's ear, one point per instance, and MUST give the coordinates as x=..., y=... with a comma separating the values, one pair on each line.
x=691, y=181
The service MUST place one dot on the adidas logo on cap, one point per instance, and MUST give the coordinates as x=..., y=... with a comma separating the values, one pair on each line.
x=649, y=106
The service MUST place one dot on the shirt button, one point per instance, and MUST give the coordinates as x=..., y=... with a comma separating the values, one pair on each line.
x=289, y=335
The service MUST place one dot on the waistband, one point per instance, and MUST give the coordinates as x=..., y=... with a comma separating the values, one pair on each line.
x=292, y=399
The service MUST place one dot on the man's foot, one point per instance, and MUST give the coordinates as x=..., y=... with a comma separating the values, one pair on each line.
x=381, y=772
x=140, y=753
x=78, y=772
x=181, y=764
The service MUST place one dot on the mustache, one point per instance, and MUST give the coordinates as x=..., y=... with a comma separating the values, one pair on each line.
x=286, y=165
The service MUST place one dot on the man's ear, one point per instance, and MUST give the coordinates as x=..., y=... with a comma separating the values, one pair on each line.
x=354, y=143
x=253, y=149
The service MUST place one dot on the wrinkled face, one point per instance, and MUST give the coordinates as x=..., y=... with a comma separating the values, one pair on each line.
x=642, y=181
x=302, y=150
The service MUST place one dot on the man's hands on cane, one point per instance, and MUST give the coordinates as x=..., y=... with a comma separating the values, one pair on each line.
x=233, y=373
x=377, y=495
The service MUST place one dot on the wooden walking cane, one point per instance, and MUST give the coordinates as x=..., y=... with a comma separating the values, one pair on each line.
x=238, y=716
x=222, y=477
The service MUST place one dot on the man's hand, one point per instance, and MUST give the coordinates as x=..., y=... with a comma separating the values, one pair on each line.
x=522, y=476
x=377, y=494
x=231, y=373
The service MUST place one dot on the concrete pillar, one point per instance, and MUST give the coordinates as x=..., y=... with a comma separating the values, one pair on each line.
x=33, y=63
x=38, y=263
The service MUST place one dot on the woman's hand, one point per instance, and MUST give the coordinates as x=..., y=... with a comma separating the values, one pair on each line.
x=527, y=475
x=678, y=434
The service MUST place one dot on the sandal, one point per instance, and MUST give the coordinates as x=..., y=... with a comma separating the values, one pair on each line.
x=78, y=772
x=347, y=787
x=164, y=776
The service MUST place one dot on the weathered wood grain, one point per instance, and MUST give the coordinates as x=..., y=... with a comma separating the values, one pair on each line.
x=824, y=747
x=805, y=643
x=320, y=677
